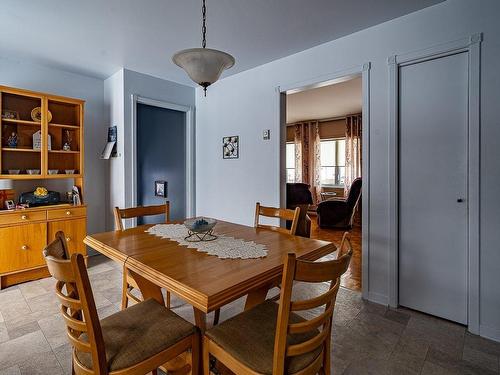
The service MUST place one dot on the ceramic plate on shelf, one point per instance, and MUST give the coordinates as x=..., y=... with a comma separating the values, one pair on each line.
x=14, y=171
x=36, y=114
x=33, y=171
x=69, y=171
x=53, y=171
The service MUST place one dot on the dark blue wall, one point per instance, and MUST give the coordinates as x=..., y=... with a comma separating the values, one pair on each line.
x=161, y=155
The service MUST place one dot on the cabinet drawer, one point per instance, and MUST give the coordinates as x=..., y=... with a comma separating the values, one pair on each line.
x=74, y=230
x=21, y=246
x=64, y=213
x=22, y=217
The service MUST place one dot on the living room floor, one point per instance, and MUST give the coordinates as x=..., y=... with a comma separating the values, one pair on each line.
x=352, y=278
x=367, y=338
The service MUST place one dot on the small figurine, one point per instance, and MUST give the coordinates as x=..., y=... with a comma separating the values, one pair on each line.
x=67, y=144
x=12, y=140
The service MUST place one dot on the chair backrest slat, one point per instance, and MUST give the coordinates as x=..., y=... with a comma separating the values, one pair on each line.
x=314, y=323
x=316, y=330
x=78, y=309
x=133, y=212
x=307, y=346
x=279, y=213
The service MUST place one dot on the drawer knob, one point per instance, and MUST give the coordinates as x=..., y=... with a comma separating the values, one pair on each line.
x=24, y=247
x=24, y=217
x=68, y=239
x=68, y=213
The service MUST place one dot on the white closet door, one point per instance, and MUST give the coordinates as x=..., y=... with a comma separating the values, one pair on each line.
x=433, y=118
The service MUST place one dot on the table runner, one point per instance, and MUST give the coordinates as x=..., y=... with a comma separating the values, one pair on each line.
x=224, y=247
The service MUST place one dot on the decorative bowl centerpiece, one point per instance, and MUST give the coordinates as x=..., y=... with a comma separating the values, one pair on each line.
x=200, y=229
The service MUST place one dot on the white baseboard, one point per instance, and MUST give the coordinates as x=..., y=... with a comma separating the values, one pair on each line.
x=381, y=299
x=489, y=332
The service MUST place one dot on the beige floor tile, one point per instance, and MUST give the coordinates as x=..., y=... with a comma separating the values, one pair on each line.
x=21, y=330
x=54, y=329
x=4, y=335
x=63, y=354
x=1, y=317
x=16, y=351
x=41, y=364
x=32, y=289
x=14, y=370
x=46, y=303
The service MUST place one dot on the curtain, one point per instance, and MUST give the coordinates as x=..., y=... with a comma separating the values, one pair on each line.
x=353, y=146
x=307, y=156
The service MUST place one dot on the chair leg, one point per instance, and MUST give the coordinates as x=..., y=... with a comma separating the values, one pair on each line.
x=196, y=354
x=154, y=372
x=206, y=357
x=216, y=317
x=327, y=356
x=168, y=300
x=124, y=289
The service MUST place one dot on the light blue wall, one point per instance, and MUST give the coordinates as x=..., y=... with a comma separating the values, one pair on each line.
x=54, y=81
x=245, y=104
x=118, y=95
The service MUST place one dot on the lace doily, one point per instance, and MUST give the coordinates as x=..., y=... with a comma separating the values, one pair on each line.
x=224, y=247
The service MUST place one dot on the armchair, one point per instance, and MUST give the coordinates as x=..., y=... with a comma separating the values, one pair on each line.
x=339, y=213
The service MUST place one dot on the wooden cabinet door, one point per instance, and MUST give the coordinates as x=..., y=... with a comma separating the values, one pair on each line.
x=21, y=246
x=75, y=231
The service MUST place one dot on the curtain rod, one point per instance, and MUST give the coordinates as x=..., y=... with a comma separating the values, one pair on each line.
x=326, y=119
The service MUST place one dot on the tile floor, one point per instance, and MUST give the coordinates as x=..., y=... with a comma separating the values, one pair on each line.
x=367, y=338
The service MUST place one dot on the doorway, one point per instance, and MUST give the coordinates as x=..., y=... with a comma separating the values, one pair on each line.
x=161, y=156
x=323, y=123
x=186, y=205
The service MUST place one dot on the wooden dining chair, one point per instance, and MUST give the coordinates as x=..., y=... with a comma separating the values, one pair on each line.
x=280, y=213
x=274, y=339
x=129, y=283
x=133, y=341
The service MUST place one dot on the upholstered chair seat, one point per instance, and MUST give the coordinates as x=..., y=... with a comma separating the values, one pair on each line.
x=137, y=333
x=249, y=337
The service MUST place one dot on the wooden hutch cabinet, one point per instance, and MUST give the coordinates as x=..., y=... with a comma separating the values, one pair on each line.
x=41, y=139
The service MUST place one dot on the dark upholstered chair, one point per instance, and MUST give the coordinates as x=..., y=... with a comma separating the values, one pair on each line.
x=339, y=213
x=299, y=195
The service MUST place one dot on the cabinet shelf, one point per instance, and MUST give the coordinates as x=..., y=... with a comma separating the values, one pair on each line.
x=63, y=152
x=10, y=149
x=64, y=126
x=23, y=122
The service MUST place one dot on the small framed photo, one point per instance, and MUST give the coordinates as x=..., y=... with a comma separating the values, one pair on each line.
x=161, y=189
x=10, y=205
x=231, y=147
x=10, y=115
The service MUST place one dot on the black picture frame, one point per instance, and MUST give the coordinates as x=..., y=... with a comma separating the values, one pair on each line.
x=161, y=189
x=231, y=147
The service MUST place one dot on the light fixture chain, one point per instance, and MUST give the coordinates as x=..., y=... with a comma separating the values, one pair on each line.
x=204, y=27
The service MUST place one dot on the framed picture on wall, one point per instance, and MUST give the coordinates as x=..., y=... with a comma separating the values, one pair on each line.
x=161, y=189
x=231, y=147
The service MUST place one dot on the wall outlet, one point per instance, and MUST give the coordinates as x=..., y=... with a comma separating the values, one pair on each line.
x=266, y=134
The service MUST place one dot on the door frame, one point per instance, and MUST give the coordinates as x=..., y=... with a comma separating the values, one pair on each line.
x=339, y=76
x=190, y=147
x=470, y=45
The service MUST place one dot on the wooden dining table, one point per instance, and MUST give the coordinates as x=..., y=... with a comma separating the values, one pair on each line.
x=204, y=281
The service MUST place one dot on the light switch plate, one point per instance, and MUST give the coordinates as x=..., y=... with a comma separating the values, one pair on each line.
x=266, y=134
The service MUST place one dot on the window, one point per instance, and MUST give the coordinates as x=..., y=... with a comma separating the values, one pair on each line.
x=290, y=162
x=332, y=155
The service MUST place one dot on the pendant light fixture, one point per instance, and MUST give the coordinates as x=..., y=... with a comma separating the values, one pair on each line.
x=203, y=65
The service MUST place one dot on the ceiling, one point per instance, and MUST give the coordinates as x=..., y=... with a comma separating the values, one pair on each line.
x=335, y=100
x=97, y=37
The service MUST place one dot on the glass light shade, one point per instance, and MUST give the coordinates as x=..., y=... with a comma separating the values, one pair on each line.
x=203, y=65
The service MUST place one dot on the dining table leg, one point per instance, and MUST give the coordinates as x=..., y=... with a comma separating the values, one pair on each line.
x=257, y=296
